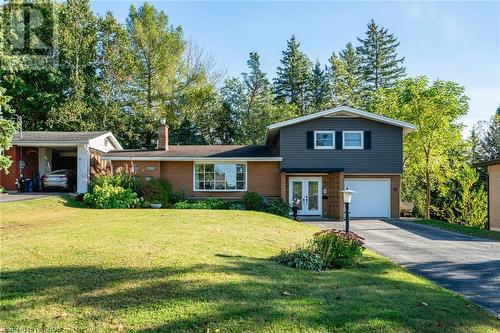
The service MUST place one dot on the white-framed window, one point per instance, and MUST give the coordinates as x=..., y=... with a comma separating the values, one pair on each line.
x=324, y=139
x=352, y=140
x=150, y=168
x=220, y=176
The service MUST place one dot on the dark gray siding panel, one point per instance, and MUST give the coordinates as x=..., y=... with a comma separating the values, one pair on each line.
x=386, y=155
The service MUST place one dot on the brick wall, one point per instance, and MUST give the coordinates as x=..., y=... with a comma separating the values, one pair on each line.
x=262, y=177
x=144, y=169
x=332, y=183
x=333, y=205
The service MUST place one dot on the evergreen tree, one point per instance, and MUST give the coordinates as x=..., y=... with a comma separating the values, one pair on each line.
x=380, y=65
x=292, y=83
x=346, y=77
x=258, y=97
x=485, y=143
x=186, y=134
x=320, y=91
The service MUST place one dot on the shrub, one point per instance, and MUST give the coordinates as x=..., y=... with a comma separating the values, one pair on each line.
x=237, y=206
x=182, y=205
x=302, y=257
x=125, y=179
x=109, y=196
x=253, y=201
x=157, y=191
x=211, y=203
x=278, y=207
x=337, y=248
x=177, y=197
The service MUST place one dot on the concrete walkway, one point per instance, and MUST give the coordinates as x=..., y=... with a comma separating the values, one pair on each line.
x=464, y=264
x=15, y=196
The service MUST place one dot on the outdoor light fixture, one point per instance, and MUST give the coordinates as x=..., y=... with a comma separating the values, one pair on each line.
x=347, y=200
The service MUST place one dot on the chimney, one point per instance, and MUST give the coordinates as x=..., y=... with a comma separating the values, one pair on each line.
x=163, y=135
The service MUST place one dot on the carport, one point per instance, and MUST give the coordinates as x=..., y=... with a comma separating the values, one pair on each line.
x=36, y=153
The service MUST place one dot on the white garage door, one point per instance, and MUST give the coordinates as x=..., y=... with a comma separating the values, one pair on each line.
x=372, y=197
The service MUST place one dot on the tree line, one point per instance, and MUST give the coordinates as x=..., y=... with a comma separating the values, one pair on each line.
x=124, y=77
x=127, y=76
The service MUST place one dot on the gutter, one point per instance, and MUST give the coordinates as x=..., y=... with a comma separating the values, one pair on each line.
x=187, y=158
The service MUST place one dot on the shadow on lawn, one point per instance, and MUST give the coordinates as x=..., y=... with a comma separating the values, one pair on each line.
x=241, y=294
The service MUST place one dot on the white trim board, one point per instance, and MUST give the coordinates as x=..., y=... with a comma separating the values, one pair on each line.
x=347, y=109
x=220, y=162
x=189, y=159
x=342, y=111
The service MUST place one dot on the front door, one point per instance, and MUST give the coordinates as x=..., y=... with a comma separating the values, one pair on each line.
x=308, y=192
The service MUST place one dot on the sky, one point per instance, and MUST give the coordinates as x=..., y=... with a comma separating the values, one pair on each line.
x=457, y=41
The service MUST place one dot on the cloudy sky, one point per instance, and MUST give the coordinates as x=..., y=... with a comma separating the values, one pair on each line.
x=457, y=41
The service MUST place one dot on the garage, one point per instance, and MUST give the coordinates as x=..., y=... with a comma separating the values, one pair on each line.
x=37, y=153
x=372, y=197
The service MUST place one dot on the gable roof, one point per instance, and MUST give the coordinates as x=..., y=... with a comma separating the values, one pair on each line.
x=49, y=137
x=341, y=111
x=73, y=137
x=196, y=152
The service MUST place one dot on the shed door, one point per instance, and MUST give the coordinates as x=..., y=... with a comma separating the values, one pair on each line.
x=372, y=197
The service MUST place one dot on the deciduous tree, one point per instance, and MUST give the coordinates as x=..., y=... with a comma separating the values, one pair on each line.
x=434, y=109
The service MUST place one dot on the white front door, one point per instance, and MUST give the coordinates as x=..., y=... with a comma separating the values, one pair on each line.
x=308, y=192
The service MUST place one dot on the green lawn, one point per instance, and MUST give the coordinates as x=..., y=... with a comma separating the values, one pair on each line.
x=490, y=234
x=65, y=268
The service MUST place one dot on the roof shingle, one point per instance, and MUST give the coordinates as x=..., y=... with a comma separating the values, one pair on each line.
x=198, y=151
x=29, y=136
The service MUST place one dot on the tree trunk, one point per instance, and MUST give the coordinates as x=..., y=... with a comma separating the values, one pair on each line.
x=427, y=195
x=428, y=187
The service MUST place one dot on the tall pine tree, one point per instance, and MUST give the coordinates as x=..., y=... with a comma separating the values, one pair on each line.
x=320, y=91
x=292, y=83
x=346, y=77
x=380, y=65
x=258, y=98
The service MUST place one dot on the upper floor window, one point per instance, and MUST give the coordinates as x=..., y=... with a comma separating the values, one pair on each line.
x=220, y=177
x=324, y=140
x=352, y=140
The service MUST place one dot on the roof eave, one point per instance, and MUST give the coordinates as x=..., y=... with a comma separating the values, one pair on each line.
x=191, y=158
x=41, y=143
x=407, y=127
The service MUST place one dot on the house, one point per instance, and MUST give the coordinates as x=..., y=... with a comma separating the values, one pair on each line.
x=42, y=152
x=494, y=194
x=311, y=158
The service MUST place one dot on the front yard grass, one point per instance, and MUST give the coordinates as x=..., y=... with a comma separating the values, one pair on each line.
x=66, y=268
x=490, y=234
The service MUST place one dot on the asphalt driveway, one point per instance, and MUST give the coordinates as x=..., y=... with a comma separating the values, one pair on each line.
x=465, y=264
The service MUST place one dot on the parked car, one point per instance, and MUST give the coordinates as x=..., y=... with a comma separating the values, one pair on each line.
x=64, y=180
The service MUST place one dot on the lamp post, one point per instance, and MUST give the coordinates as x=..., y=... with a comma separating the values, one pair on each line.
x=347, y=200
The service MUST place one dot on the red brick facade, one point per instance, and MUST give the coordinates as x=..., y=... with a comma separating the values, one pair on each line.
x=262, y=177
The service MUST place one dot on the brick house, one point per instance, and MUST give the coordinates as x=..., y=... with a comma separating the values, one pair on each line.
x=310, y=158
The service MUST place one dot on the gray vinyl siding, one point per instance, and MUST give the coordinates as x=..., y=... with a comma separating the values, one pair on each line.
x=386, y=155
